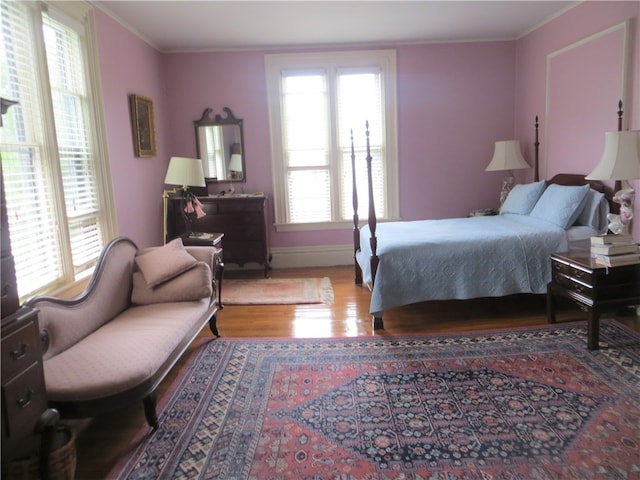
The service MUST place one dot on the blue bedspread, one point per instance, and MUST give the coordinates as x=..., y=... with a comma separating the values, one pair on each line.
x=459, y=258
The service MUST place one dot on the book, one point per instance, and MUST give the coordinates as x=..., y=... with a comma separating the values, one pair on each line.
x=617, y=260
x=611, y=238
x=615, y=248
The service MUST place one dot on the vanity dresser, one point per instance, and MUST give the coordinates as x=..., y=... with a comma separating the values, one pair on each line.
x=241, y=217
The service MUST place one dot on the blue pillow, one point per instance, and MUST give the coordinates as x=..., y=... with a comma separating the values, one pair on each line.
x=522, y=198
x=561, y=204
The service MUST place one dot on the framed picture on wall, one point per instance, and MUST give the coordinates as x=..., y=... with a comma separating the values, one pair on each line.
x=144, y=134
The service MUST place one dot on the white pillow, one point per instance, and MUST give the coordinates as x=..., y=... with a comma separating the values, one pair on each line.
x=594, y=213
x=522, y=198
x=561, y=204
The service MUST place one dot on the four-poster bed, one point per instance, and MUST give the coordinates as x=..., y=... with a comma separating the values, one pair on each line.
x=407, y=262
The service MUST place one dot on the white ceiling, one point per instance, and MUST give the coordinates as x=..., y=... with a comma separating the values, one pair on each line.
x=187, y=25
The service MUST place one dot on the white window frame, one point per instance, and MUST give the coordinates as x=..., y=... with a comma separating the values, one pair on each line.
x=77, y=15
x=385, y=60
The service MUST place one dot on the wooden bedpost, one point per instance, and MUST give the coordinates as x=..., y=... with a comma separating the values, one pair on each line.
x=377, y=321
x=618, y=183
x=356, y=228
x=620, y=116
x=536, y=149
x=372, y=212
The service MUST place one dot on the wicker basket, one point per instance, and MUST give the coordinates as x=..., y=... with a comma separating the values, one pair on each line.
x=62, y=461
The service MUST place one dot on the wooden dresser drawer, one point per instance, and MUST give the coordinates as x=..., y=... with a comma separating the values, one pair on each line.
x=241, y=218
x=24, y=399
x=249, y=205
x=599, y=276
x=20, y=349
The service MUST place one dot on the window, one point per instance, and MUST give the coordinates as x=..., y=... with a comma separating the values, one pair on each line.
x=54, y=168
x=316, y=101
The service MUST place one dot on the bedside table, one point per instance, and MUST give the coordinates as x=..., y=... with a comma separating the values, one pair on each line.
x=595, y=288
x=210, y=240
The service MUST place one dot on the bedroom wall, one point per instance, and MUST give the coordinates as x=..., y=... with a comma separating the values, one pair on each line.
x=439, y=105
x=570, y=72
x=129, y=65
x=454, y=101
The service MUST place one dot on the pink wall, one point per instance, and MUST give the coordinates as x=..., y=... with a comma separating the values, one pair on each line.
x=597, y=110
x=129, y=66
x=445, y=93
x=454, y=101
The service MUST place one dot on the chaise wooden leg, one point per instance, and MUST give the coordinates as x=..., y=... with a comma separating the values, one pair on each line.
x=377, y=323
x=150, y=414
x=212, y=325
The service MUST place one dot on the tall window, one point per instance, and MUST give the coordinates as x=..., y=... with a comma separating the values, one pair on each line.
x=316, y=101
x=54, y=170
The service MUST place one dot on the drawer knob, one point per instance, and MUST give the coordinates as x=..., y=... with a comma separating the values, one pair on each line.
x=18, y=352
x=25, y=399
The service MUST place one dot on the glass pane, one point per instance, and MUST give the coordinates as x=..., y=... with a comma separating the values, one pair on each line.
x=309, y=196
x=77, y=163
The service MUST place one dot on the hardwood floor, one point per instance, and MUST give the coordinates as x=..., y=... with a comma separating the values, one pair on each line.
x=103, y=441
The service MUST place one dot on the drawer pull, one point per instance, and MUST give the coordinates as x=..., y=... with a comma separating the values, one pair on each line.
x=25, y=399
x=19, y=352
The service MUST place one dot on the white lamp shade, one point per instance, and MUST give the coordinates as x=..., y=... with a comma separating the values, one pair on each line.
x=186, y=172
x=235, y=163
x=621, y=157
x=507, y=156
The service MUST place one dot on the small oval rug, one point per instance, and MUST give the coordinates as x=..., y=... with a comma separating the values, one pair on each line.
x=277, y=291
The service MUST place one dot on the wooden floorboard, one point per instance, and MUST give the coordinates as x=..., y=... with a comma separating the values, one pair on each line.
x=101, y=442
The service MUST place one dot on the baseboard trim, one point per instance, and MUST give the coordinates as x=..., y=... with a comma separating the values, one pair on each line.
x=299, y=257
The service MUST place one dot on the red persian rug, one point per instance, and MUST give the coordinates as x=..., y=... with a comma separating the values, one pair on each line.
x=511, y=404
x=277, y=291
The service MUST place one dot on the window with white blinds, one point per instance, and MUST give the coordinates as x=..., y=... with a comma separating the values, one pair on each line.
x=54, y=184
x=316, y=101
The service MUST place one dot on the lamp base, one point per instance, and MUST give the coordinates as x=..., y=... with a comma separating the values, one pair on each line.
x=620, y=223
x=507, y=186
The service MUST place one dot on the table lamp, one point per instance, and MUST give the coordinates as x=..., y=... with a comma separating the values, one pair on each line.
x=507, y=156
x=235, y=166
x=186, y=172
x=620, y=161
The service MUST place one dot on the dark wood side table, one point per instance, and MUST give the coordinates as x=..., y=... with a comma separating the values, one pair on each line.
x=210, y=240
x=595, y=288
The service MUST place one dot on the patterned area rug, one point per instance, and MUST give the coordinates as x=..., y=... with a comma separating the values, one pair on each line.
x=277, y=291
x=519, y=404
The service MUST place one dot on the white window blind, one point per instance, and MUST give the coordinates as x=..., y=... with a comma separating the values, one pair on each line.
x=306, y=146
x=316, y=101
x=56, y=217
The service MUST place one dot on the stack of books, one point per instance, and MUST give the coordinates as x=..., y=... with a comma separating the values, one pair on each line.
x=615, y=249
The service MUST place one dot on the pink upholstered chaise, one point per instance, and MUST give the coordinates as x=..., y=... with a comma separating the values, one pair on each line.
x=114, y=344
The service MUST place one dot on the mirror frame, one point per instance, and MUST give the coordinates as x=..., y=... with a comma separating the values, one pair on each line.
x=206, y=120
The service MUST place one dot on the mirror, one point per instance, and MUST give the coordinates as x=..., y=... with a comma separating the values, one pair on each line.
x=220, y=145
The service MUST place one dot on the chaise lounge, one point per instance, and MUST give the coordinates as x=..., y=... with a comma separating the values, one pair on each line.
x=116, y=342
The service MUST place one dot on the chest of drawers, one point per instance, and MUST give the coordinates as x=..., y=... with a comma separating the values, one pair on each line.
x=595, y=288
x=24, y=396
x=241, y=218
